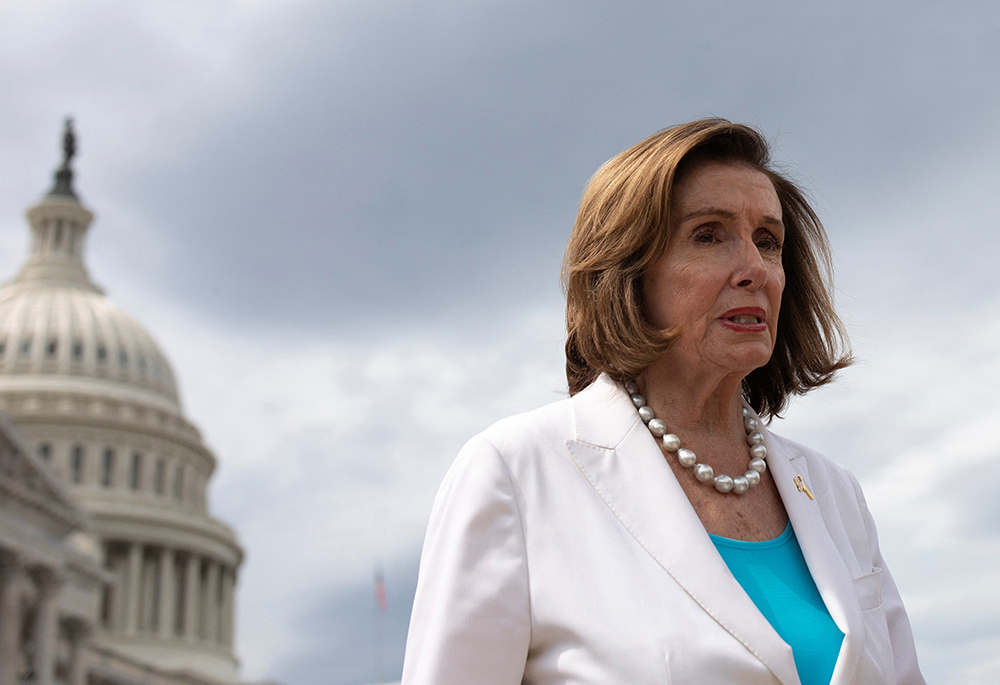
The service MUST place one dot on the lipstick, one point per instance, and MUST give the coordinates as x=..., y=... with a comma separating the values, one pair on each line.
x=745, y=319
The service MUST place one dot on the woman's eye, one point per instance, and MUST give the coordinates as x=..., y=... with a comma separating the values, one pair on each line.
x=704, y=237
x=769, y=242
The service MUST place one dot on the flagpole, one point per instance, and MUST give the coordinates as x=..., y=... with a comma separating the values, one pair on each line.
x=381, y=604
x=378, y=645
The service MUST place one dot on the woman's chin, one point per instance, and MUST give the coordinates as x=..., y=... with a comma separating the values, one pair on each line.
x=747, y=357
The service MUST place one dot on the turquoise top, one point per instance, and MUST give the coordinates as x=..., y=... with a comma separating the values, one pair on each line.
x=775, y=575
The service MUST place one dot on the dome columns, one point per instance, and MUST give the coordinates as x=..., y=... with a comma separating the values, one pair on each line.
x=58, y=227
x=167, y=605
x=192, y=595
x=165, y=594
x=133, y=587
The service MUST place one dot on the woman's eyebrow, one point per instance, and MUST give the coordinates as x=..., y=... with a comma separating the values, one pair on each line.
x=767, y=219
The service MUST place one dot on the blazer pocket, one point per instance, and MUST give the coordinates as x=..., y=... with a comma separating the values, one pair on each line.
x=868, y=590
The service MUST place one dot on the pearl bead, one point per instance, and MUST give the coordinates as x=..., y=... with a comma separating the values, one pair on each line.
x=686, y=457
x=723, y=483
x=657, y=427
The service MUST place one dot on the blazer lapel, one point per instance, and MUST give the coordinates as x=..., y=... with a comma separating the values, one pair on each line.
x=624, y=465
x=832, y=577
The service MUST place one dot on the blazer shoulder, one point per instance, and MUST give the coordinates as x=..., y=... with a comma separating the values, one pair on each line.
x=547, y=426
x=523, y=453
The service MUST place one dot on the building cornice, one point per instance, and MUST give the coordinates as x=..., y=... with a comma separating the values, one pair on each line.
x=116, y=520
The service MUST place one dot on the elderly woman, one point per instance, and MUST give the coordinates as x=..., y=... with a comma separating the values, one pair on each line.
x=650, y=529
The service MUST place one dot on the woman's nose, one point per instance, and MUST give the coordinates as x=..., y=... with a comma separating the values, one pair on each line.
x=750, y=270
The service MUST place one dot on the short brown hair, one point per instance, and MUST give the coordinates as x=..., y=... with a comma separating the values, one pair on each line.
x=623, y=227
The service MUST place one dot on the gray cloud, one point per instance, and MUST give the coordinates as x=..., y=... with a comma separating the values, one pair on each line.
x=356, y=161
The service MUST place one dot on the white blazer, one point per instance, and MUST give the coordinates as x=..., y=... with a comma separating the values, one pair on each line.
x=561, y=549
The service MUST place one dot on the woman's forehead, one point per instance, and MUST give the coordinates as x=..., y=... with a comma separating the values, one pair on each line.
x=726, y=187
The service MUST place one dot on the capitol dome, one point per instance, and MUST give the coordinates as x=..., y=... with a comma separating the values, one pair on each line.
x=54, y=321
x=88, y=389
x=73, y=330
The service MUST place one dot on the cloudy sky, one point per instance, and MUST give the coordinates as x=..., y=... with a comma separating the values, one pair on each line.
x=343, y=221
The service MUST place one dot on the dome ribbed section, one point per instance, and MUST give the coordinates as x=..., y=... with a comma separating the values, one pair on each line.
x=67, y=331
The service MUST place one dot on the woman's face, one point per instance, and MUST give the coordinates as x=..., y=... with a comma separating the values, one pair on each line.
x=721, y=278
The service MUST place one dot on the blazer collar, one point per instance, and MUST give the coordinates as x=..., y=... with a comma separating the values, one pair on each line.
x=826, y=563
x=624, y=465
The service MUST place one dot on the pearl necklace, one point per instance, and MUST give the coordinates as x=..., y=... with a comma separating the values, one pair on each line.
x=687, y=458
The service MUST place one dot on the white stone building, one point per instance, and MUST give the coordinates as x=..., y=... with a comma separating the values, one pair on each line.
x=111, y=568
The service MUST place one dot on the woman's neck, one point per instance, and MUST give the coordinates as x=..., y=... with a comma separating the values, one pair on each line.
x=694, y=403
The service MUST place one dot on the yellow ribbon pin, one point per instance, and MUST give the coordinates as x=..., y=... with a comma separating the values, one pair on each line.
x=801, y=485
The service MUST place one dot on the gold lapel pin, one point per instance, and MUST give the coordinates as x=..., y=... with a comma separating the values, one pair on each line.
x=801, y=485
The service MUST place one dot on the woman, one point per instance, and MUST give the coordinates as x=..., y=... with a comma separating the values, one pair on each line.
x=649, y=529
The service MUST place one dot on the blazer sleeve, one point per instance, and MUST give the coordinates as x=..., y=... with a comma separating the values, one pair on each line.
x=904, y=651
x=471, y=618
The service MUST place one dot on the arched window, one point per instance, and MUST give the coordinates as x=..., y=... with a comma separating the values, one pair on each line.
x=135, y=473
x=45, y=452
x=76, y=464
x=108, y=468
x=160, y=477
x=179, y=482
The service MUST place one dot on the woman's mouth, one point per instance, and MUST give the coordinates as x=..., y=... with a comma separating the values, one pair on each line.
x=745, y=319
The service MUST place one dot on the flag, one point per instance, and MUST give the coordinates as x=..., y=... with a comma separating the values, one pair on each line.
x=381, y=600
